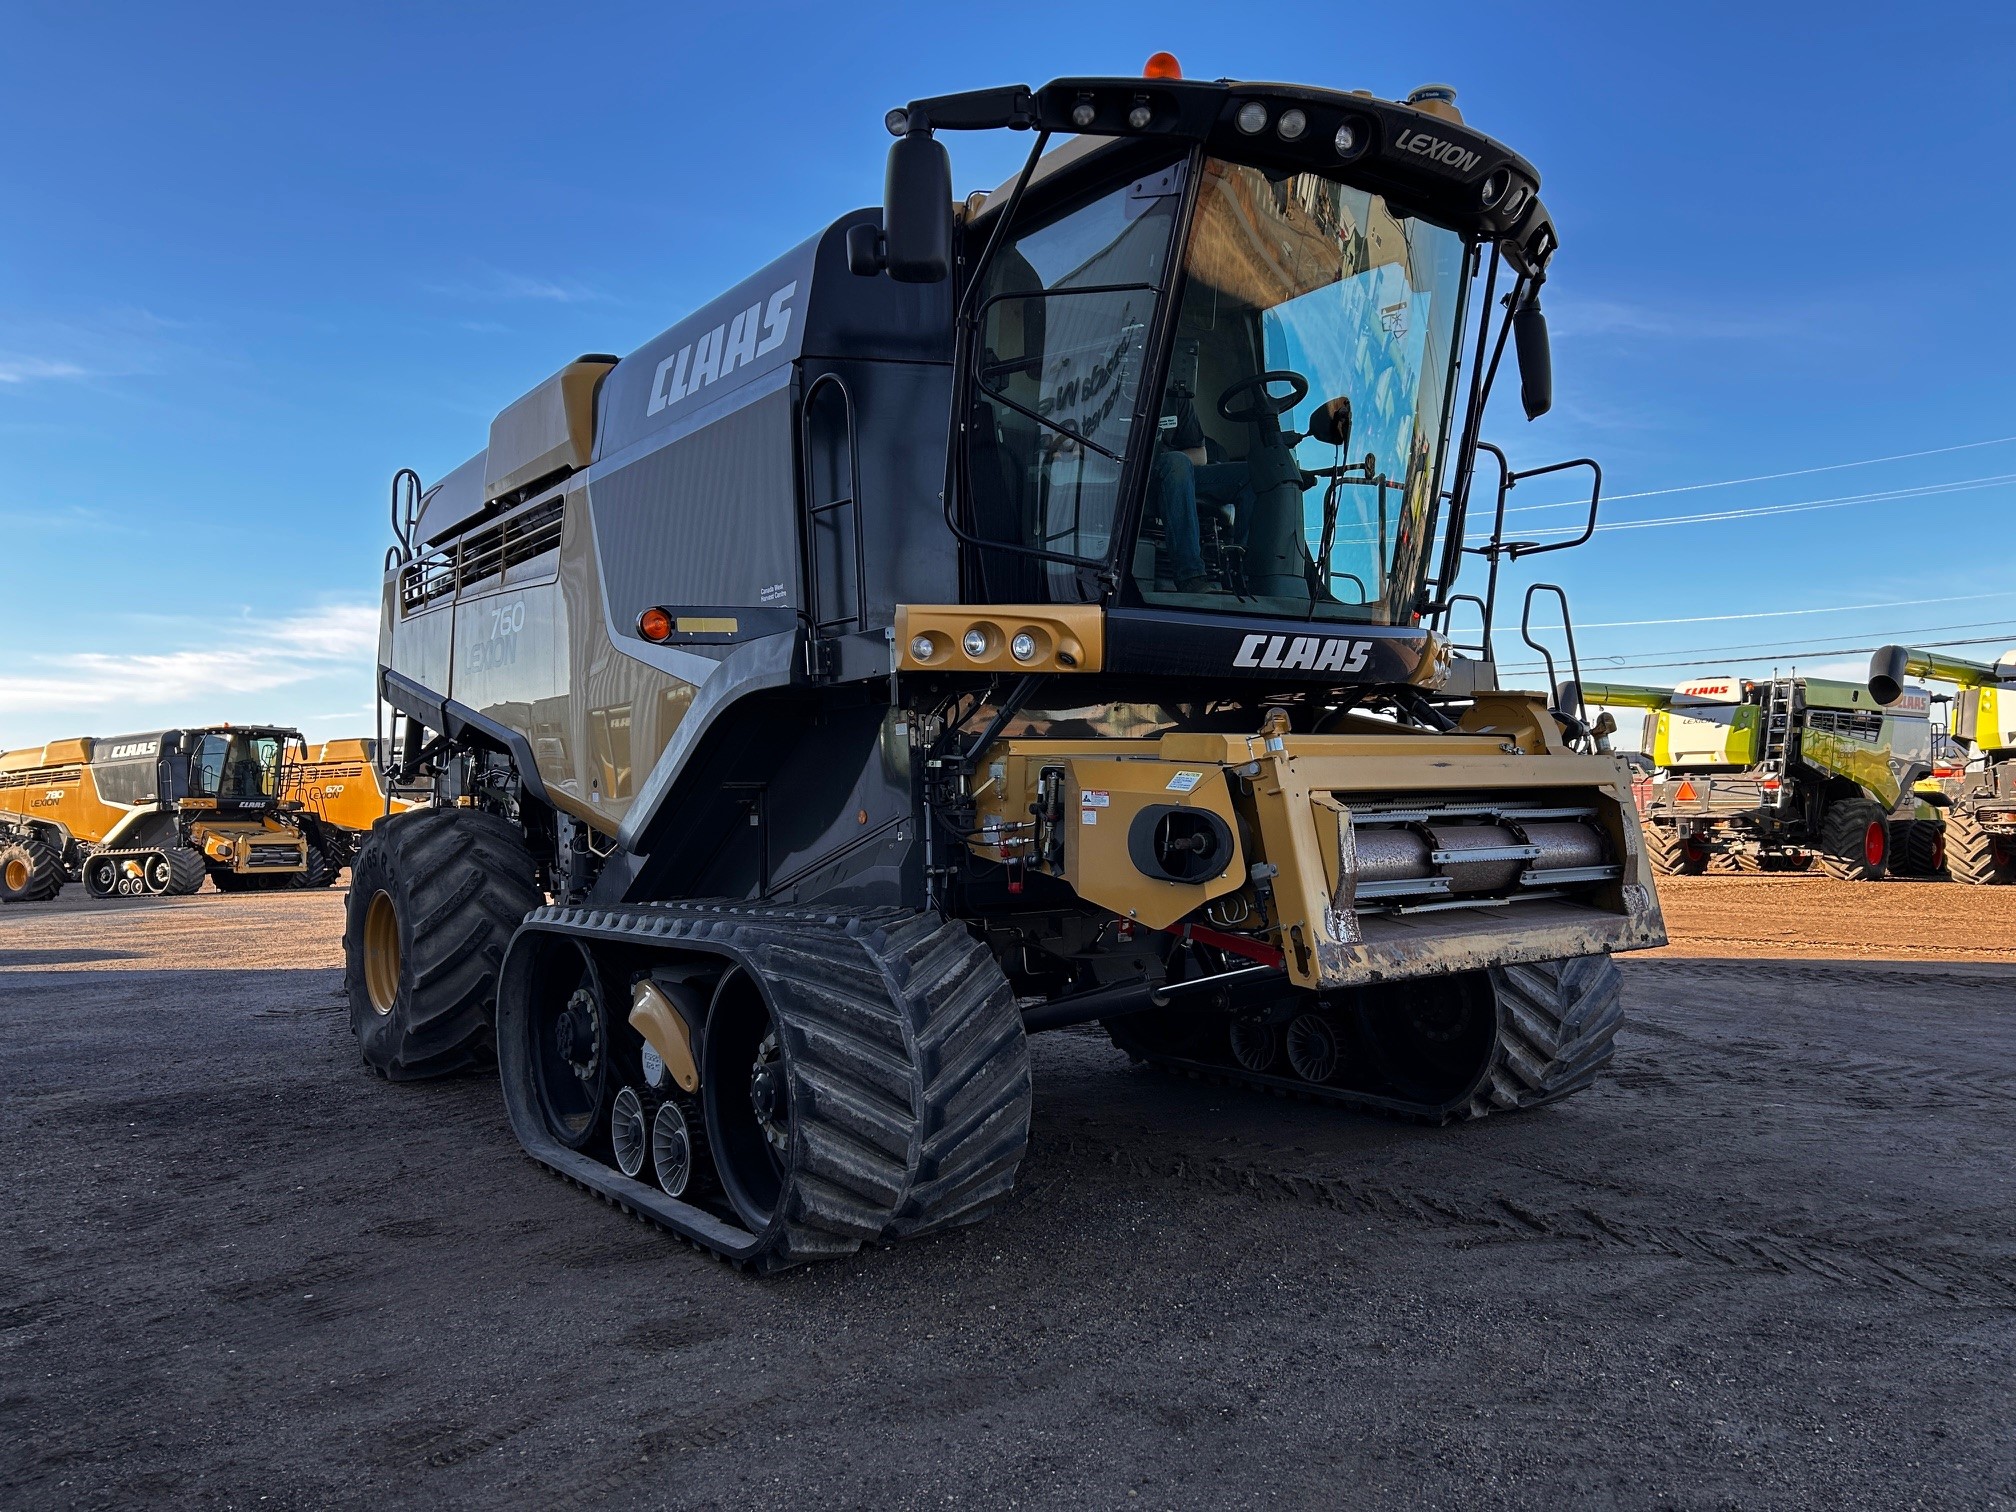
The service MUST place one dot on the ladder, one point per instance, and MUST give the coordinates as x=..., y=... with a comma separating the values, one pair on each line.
x=1782, y=705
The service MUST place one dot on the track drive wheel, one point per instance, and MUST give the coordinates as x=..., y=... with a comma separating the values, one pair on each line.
x=1974, y=854
x=30, y=869
x=435, y=897
x=175, y=872
x=1673, y=854
x=1854, y=841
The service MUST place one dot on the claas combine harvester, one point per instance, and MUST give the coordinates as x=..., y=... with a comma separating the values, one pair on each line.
x=992, y=616
x=149, y=814
x=1783, y=774
x=336, y=791
x=1974, y=797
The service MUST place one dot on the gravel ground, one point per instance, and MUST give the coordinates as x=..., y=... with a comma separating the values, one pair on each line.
x=1770, y=1262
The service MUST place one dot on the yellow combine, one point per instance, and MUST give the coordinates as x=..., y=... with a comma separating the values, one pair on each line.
x=336, y=792
x=133, y=815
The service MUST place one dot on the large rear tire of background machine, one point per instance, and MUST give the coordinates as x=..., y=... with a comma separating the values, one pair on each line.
x=1673, y=854
x=435, y=897
x=1854, y=841
x=1972, y=854
x=30, y=870
x=1917, y=847
x=322, y=868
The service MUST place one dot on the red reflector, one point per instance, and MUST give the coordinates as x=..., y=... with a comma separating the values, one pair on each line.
x=1162, y=65
x=654, y=625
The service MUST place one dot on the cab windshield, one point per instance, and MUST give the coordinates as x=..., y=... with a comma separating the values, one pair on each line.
x=1299, y=441
x=235, y=764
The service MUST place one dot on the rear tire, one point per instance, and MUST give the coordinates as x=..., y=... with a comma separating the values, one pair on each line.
x=1673, y=854
x=175, y=872
x=1854, y=841
x=31, y=869
x=1973, y=854
x=322, y=869
x=1557, y=1027
x=1917, y=847
x=435, y=896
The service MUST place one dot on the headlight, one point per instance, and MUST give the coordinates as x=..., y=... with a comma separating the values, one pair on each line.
x=1252, y=118
x=1023, y=647
x=1348, y=139
x=1494, y=188
x=975, y=643
x=1083, y=114
x=1291, y=125
x=1140, y=116
x=923, y=648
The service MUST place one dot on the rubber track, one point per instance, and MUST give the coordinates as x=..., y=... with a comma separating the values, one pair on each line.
x=910, y=1072
x=185, y=870
x=1557, y=1028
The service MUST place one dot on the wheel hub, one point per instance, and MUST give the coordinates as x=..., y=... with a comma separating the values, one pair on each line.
x=577, y=1035
x=767, y=1092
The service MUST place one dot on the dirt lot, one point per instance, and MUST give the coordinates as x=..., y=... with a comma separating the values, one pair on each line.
x=1770, y=1262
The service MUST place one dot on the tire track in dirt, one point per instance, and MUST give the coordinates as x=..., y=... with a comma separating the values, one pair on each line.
x=1842, y=1259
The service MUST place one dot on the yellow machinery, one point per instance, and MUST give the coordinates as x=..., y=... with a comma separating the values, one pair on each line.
x=1974, y=795
x=154, y=813
x=336, y=792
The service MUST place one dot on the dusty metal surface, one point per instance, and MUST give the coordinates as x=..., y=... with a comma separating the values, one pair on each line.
x=1770, y=1262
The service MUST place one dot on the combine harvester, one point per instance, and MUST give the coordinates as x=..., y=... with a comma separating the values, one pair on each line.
x=994, y=616
x=1782, y=775
x=1978, y=802
x=336, y=791
x=149, y=814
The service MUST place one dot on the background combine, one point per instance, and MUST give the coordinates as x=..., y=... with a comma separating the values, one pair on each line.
x=336, y=791
x=1782, y=775
x=1974, y=798
x=996, y=616
x=153, y=813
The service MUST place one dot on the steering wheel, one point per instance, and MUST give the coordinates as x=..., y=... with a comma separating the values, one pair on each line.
x=1264, y=405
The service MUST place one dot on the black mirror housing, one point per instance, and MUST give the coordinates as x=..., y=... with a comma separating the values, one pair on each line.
x=1536, y=358
x=916, y=238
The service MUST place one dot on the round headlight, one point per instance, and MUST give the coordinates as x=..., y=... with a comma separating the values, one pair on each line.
x=1516, y=200
x=1348, y=139
x=1083, y=114
x=923, y=648
x=975, y=642
x=898, y=121
x=1291, y=125
x=1139, y=117
x=1023, y=647
x=1252, y=118
x=1494, y=188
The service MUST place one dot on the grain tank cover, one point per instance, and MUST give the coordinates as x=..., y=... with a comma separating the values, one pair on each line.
x=548, y=432
x=453, y=502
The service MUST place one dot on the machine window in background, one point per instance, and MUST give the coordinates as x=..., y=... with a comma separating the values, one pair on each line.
x=1298, y=447
x=235, y=766
x=1064, y=325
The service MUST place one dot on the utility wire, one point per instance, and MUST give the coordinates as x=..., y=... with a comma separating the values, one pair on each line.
x=1773, y=648
x=1797, y=472
x=1790, y=655
x=1701, y=619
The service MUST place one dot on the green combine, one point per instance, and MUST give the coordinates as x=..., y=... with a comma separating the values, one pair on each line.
x=1975, y=794
x=1785, y=775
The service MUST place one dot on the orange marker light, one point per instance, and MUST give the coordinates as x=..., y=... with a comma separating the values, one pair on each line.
x=1162, y=65
x=654, y=625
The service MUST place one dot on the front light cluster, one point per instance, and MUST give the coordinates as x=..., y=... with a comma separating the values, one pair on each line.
x=988, y=643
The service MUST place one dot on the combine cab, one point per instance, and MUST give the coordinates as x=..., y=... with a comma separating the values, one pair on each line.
x=148, y=814
x=997, y=615
x=1783, y=775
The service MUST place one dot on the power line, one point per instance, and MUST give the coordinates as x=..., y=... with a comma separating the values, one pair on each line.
x=1842, y=501
x=1766, y=649
x=1699, y=619
x=1811, y=651
x=1797, y=472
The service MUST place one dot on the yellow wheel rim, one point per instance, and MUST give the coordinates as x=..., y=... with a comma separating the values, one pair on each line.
x=18, y=873
x=381, y=953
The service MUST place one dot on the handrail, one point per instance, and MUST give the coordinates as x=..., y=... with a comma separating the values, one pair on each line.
x=1581, y=717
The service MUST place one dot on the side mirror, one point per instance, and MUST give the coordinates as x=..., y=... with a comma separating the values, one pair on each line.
x=915, y=242
x=1536, y=359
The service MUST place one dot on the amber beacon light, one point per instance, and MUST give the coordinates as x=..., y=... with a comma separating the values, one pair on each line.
x=1162, y=65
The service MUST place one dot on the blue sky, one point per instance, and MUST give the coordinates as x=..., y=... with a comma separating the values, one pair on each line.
x=259, y=257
